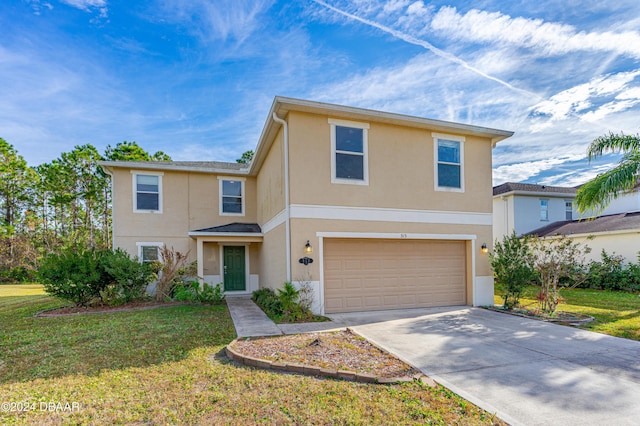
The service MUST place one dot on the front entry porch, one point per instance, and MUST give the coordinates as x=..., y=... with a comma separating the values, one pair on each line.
x=228, y=255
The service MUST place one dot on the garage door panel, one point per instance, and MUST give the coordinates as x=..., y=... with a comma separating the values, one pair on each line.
x=393, y=274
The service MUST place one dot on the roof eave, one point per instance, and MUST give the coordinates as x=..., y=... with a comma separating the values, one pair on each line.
x=282, y=105
x=110, y=165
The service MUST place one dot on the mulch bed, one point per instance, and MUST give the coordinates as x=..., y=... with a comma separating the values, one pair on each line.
x=558, y=317
x=341, y=350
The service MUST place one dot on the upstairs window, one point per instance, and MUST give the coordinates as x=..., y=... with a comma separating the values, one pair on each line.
x=349, y=152
x=231, y=196
x=568, y=207
x=147, y=192
x=544, y=210
x=449, y=172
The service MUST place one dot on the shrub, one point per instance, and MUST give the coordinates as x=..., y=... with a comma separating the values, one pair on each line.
x=173, y=263
x=75, y=275
x=510, y=261
x=192, y=292
x=611, y=273
x=82, y=276
x=131, y=277
x=266, y=298
x=288, y=296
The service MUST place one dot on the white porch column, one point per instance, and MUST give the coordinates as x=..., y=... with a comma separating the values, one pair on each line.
x=200, y=259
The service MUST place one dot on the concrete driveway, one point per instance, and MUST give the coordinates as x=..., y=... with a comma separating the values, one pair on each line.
x=528, y=372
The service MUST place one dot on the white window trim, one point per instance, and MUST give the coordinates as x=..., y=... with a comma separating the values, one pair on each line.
x=134, y=188
x=541, y=219
x=152, y=244
x=456, y=138
x=365, y=151
x=242, y=189
x=566, y=210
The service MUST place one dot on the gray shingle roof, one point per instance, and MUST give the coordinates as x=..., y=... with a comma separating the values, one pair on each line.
x=236, y=227
x=530, y=187
x=607, y=223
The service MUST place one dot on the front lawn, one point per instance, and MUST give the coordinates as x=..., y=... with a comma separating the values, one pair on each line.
x=616, y=313
x=161, y=366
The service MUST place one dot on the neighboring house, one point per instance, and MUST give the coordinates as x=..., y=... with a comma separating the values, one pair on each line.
x=523, y=207
x=615, y=233
x=392, y=209
x=548, y=211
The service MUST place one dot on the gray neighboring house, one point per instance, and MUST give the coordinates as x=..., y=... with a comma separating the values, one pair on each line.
x=523, y=207
x=548, y=211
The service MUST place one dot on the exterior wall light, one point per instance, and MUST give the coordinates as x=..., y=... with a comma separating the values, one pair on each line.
x=307, y=250
x=484, y=249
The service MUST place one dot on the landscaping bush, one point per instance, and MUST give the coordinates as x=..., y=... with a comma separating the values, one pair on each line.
x=83, y=276
x=285, y=305
x=131, y=277
x=512, y=270
x=192, y=292
x=611, y=273
x=75, y=275
x=268, y=301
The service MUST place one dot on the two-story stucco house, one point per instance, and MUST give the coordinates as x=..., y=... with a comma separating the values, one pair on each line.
x=393, y=210
x=523, y=207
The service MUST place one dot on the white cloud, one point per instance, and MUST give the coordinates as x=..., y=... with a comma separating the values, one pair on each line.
x=522, y=171
x=546, y=38
x=89, y=5
x=219, y=20
x=593, y=101
x=576, y=177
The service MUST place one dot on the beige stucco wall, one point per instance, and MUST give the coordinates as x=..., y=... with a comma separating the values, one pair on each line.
x=272, y=258
x=306, y=229
x=190, y=201
x=270, y=198
x=626, y=244
x=400, y=164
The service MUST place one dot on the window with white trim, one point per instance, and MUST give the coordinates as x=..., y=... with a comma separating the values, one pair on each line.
x=231, y=196
x=568, y=207
x=449, y=155
x=149, y=252
x=544, y=210
x=349, y=156
x=147, y=192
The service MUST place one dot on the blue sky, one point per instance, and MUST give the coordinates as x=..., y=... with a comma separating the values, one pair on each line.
x=196, y=78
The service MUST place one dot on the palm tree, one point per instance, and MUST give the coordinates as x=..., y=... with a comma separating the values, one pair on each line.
x=607, y=186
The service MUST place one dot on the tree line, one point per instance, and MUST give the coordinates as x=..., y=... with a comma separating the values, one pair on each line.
x=56, y=205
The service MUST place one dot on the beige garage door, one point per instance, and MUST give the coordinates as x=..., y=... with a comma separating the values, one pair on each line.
x=369, y=275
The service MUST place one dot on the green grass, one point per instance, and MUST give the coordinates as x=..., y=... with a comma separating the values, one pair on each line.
x=161, y=366
x=616, y=313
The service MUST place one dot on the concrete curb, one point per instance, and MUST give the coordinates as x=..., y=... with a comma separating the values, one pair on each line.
x=310, y=370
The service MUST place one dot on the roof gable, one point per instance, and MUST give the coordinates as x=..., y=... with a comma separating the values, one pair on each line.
x=607, y=223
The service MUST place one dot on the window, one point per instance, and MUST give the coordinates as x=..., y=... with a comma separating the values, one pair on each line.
x=147, y=192
x=568, y=207
x=544, y=210
x=149, y=252
x=349, y=162
x=449, y=173
x=232, y=196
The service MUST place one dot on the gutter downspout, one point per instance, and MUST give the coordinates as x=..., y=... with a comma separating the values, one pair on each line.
x=287, y=213
x=113, y=210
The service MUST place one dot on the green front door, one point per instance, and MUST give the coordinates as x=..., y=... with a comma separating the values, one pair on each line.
x=234, y=268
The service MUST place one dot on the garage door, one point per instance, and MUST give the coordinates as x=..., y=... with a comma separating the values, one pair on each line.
x=366, y=275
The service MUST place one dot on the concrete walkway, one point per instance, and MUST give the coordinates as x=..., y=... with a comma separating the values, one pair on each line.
x=249, y=320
